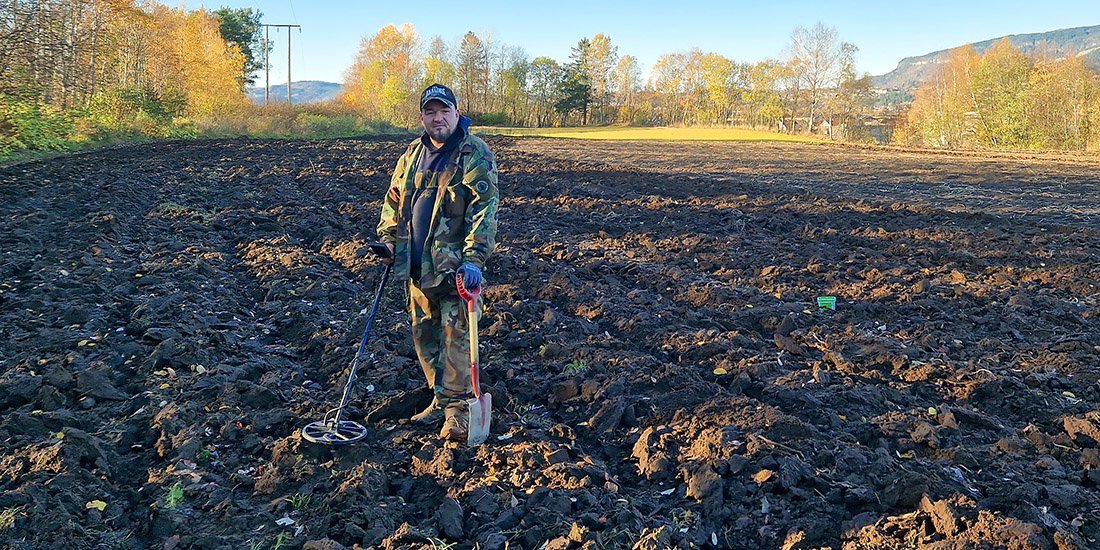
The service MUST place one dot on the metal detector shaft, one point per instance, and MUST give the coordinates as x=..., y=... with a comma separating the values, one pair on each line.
x=362, y=346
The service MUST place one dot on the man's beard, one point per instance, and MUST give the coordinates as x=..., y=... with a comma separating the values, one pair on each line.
x=440, y=134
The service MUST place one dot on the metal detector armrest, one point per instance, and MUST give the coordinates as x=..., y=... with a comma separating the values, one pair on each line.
x=381, y=250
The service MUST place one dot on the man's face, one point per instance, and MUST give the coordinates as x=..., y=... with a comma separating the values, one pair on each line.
x=439, y=120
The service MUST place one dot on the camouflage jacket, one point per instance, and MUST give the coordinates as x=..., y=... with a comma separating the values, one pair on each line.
x=464, y=218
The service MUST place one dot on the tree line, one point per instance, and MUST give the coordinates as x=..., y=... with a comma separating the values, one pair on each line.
x=73, y=70
x=815, y=89
x=85, y=70
x=1005, y=99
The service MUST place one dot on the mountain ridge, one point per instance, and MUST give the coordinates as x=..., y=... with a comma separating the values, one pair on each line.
x=301, y=91
x=912, y=71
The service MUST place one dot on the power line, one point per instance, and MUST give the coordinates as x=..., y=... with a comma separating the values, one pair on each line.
x=292, y=13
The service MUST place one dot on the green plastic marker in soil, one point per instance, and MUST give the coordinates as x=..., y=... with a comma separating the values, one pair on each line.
x=826, y=302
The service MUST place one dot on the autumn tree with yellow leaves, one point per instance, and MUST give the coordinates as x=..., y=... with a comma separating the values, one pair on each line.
x=75, y=70
x=942, y=109
x=1065, y=104
x=1005, y=99
x=383, y=80
x=187, y=56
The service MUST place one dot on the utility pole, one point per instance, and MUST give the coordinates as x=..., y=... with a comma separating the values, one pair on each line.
x=288, y=102
x=267, y=64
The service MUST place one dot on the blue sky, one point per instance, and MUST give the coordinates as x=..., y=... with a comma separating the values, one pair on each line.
x=744, y=31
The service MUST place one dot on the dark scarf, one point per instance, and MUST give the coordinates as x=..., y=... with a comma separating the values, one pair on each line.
x=461, y=130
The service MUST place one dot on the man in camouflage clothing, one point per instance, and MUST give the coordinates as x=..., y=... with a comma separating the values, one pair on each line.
x=439, y=218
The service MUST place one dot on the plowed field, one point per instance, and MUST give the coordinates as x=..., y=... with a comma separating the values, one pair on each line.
x=171, y=314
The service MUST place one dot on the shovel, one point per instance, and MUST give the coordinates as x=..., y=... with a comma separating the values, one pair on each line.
x=481, y=406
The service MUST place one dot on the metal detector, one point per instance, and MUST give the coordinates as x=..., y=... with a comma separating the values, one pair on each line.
x=333, y=429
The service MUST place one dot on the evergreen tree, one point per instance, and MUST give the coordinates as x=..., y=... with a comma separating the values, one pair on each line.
x=575, y=90
x=241, y=27
x=473, y=74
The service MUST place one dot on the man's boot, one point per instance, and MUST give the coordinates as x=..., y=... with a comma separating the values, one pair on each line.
x=455, y=421
x=432, y=414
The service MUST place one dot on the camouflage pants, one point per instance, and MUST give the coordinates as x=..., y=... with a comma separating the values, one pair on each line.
x=440, y=330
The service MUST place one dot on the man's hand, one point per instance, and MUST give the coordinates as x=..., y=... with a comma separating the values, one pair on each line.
x=471, y=275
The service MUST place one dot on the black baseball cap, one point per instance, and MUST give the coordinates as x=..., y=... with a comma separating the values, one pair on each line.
x=438, y=92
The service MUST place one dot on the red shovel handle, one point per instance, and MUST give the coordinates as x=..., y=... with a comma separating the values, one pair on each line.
x=469, y=296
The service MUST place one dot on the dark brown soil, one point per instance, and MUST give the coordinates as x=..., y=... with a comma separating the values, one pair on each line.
x=171, y=314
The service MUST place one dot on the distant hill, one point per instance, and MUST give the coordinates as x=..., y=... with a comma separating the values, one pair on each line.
x=302, y=91
x=911, y=71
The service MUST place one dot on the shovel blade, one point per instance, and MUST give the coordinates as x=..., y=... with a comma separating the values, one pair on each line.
x=480, y=411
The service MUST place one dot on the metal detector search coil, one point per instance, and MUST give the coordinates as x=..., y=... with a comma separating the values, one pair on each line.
x=333, y=429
